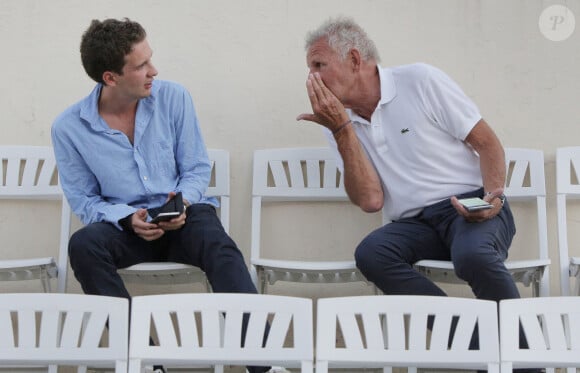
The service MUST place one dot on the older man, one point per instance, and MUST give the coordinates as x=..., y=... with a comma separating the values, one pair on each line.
x=411, y=143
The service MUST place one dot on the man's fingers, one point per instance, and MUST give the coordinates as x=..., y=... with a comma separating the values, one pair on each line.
x=311, y=92
x=320, y=86
x=309, y=117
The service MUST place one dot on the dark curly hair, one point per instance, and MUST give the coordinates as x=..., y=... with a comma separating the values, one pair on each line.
x=105, y=44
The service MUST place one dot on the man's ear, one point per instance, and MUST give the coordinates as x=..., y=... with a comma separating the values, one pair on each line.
x=109, y=78
x=355, y=59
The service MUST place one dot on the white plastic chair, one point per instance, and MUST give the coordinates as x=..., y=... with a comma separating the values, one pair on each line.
x=525, y=182
x=567, y=187
x=63, y=329
x=552, y=329
x=178, y=273
x=391, y=331
x=298, y=175
x=29, y=173
x=206, y=328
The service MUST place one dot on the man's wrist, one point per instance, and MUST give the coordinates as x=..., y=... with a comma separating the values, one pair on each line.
x=501, y=197
x=341, y=127
x=126, y=223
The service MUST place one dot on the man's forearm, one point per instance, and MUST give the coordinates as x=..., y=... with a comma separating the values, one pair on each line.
x=361, y=180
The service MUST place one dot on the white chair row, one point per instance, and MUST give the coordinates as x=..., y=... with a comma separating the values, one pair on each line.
x=29, y=173
x=352, y=333
x=312, y=174
x=289, y=175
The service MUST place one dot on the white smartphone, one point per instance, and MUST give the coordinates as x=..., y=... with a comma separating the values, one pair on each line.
x=164, y=216
x=475, y=203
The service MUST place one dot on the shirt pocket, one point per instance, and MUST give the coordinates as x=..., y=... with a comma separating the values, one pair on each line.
x=162, y=160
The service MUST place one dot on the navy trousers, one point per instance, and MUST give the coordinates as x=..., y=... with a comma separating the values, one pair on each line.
x=477, y=250
x=97, y=250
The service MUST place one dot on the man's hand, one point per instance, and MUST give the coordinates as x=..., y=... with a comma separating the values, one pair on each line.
x=147, y=231
x=480, y=215
x=327, y=109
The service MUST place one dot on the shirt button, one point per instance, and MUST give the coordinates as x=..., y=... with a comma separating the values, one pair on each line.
x=145, y=177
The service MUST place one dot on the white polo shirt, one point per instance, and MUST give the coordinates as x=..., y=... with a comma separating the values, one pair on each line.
x=415, y=139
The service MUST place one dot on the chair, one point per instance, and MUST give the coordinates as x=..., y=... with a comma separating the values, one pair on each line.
x=177, y=273
x=567, y=186
x=391, y=331
x=206, y=328
x=29, y=173
x=298, y=175
x=63, y=329
x=552, y=329
x=524, y=183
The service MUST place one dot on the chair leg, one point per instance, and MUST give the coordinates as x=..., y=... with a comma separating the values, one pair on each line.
x=45, y=280
x=506, y=368
x=321, y=366
x=306, y=367
x=208, y=286
x=134, y=366
x=261, y=277
x=121, y=367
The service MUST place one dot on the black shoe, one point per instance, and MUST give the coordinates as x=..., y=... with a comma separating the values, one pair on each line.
x=159, y=369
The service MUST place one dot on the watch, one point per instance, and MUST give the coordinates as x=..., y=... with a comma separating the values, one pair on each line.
x=501, y=197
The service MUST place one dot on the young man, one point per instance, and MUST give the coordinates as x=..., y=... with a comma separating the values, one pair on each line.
x=129, y=146
x=412, y=142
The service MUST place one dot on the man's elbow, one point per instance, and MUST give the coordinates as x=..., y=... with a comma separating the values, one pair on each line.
x=373, y=204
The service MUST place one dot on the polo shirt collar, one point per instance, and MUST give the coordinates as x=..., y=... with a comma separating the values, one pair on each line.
x=388, y=88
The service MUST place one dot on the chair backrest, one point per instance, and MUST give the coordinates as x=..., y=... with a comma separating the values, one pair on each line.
x=63, y=329
x=552, y=329
x=526, y=182
x=292, y=174
x=567, y=187
x=219, y=186
x=525, y=174
x=303, y=174
x=201, y=329
x=29, y=172
x=381, y=331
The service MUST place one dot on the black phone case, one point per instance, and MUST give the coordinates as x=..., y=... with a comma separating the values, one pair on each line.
x=173, y=205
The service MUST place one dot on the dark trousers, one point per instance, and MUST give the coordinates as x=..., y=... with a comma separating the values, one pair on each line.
x=477, y=250
x=97, y=250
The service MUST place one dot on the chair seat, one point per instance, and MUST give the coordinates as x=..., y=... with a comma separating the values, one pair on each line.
x=309, y=271
x=27, y=269
x=524, y=271
x=162, y=273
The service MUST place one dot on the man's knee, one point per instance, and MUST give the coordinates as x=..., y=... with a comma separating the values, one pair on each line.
x=363, y=255
x=475, y=264
x=85, y=244
x=371, y=256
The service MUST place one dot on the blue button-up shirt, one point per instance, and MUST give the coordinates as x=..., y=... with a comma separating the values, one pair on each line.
x=106, y=178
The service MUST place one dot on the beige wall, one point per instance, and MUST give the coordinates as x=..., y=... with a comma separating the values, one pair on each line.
x=244, y=64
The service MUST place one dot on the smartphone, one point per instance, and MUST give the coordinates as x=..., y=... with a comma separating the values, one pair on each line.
x=171, y=209
x=164, y=216
x=475, y=203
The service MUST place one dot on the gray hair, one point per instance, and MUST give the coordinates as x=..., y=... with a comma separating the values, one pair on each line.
x=344, y=34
